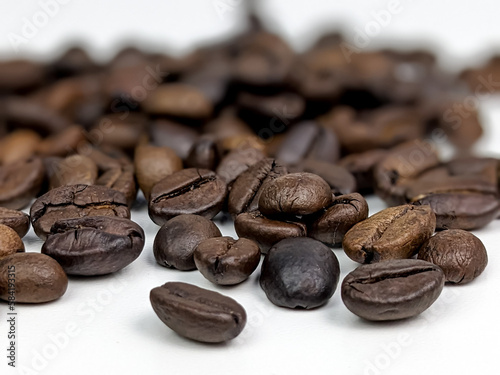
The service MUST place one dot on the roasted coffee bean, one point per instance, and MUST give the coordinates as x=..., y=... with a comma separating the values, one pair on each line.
x=153, y=164
x=246, y=190
x=121, y=179
x=238, y=161
x=226, y=261
x=266, y=232
x=73, y=61
x=198, y=314
x=178, y=137
x=18, y=146
x=10, y=242
x=67, y=141
x=461, y=255
x=97, y=245
x=394, y=233
x=204, y=154
x=308, y=140
x=39, y=278
x=75, y=201
x=397, y=170
x=120, y=132
x=337, y=219
x=189, y=191
x=20, y=182
x=294, y=194
x=74, y=170
x=392, y=290
x=362, y=166
x=299, y=272
x=20, y=75
x=341, y=181
x=177, y=239
x=16, y=220
x=178, y=100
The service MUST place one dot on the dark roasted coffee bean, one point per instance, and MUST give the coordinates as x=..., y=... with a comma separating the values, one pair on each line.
x=121, y=132
x=266, y=232
x=73, y=170
x=189, y=191
x=341, y=181
x=294, y=194
x=16, y=220
x=177, y=239
x=18, y=146
x=152, y=164
x=178, y=100
x=394, y=233
x=75, y=201
x=337, y=219
x=362, y=166
x=204, y=154
x=392, y=290
x=61, y=144
x=461, y=255
x=20, y=182
x=246, y=190
x=299, y=272
x=308, y=140
x=121, y=179
x=73, y=61
x=39, y=278
x=269, y=106
x=19, y=75
x=198, y=314
x=238, y=161
x=226, y=261
x=10, y=242
x=396, y=171
x=178, y=137
x=97, y=245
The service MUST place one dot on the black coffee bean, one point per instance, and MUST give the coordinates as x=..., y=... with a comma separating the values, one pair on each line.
x=198, y=314
x=226, y=261
x=392, y=290
x=177, y=239
x=299, y=272
x=189, y=191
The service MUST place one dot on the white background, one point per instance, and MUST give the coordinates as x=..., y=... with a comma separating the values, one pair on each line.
x=114, y=329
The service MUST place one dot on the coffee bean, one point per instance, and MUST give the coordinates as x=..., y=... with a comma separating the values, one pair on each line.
x=97, y=245
x=238, y=161
x=394, y=233
x=73, y=61
x=152, y=164
x=73, y=170
x=392, y=290
x=461, y=255
x=38, y=278
x=177, y=239
x=19, y=75
x=75, y=201
x=198, y=314
x=20, y=182
x=175, y=136
x=16, y=220
x=337, y=219
x=18, y=146
x=299, y=272
x=61, y=144
x=226, y=261
x=204, y=154
x=121, y=179
x=119, y=132
x=10, y=242
x=189, y=191
x=247, y=189
x=361, y=166
x=308, y=140
x=295, y=194
x=266, y=232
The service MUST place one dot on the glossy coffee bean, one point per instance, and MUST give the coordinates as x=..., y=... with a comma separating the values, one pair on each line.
x=338, y=218
x=75, y=201
x=16, y=220
x=91, y=246
x=38, y=278
x=189, y=191
x=204, y=154
x=20, y=182
x=121, y=179
x=198, y=314
x=362, y=166
x=226, y=261
x=10, y=242
x=176, y=136
x=461, y=255
x=238, y=161
x=392, y=290
x=295, y=194
x=393, y=233
x=299, y=273
x=266, y=232
x=73, y=170
x=247, y=189
x=177, y=239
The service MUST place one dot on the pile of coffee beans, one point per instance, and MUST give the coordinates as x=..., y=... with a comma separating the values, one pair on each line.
x=285, y=144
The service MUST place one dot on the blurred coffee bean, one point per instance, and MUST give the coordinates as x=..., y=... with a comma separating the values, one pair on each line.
x=21, y=75
x=17, y=220
x=204, y=154
x=73, y=61
x=178, y=137
x=238, y=161
x=361, y=166
x=73, y=170
x=63, y=143
x=18, y=146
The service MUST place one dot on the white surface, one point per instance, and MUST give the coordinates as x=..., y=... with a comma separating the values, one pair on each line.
x=115, y=330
